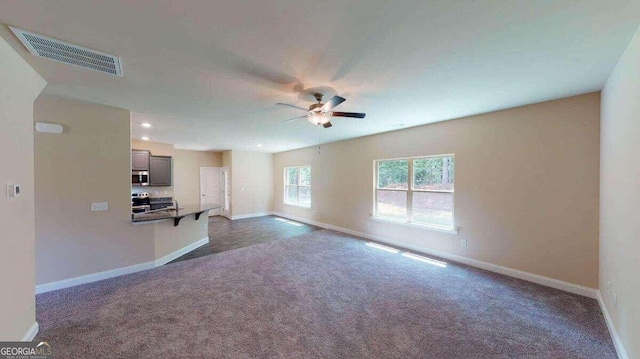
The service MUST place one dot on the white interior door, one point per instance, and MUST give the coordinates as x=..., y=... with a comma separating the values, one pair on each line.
x=225, y=180
x=210, y=187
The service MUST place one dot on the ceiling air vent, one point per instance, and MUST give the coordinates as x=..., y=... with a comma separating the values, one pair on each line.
x=67, y=53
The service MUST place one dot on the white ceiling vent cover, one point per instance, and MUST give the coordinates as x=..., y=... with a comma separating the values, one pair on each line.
x=68, y=53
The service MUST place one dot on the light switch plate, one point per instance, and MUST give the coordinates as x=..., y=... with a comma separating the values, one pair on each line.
x=13, y=190
x=100, y=206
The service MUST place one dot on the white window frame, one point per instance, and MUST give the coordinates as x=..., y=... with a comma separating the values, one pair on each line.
x=409, y=192
x=286, y=185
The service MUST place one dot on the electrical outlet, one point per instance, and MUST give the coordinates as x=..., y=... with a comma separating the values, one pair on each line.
x=463, y=242
x=615, y=300
x=100, y=206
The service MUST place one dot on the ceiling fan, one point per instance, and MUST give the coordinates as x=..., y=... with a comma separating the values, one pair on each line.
x=320, y=114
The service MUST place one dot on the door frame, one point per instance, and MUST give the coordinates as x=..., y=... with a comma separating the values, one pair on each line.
x=225, y=173
x=215, y=212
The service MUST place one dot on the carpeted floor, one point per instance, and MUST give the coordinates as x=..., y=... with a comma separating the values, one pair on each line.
x=319, y=295
x=226, y=235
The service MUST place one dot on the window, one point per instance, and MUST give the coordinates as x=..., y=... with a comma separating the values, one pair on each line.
x=416, y=190
x=297, y=186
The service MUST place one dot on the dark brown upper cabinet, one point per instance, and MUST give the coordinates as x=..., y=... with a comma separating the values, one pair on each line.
x=140, y=160
x=159, y=171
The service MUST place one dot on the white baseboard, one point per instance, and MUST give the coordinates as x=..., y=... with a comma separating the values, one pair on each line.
x=94, y=277
x=31, y=333
x=180, y=252
x=617, y=343
x=546, y=281
x=251, y=215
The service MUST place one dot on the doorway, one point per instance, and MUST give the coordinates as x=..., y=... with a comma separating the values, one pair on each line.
x=210, y=188
x=226, y=192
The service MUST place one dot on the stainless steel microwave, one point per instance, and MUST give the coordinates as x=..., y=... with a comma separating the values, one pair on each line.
x=140, y=178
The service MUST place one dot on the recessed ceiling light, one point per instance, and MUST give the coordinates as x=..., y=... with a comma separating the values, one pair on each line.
x=259, y=145
x=144, y=138
x=146, y=125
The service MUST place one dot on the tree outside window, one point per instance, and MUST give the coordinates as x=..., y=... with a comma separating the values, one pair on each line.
x=416, y=190
x=297, y=189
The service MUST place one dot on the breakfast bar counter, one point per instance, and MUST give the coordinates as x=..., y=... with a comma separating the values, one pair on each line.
x=175, y=214
x=175, y=232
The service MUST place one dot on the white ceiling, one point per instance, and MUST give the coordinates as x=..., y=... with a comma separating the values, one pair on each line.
x=207, y=73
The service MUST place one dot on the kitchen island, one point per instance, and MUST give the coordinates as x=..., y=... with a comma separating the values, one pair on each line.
x=176, y=231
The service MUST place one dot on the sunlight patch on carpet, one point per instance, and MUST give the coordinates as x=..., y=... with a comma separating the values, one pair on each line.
x=384, y=248
x=428, y=260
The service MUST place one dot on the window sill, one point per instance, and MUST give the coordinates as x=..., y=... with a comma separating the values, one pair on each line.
x=296, y=205
x=449, y=230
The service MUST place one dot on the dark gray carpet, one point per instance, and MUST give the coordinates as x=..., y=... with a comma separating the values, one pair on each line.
x=319, y=295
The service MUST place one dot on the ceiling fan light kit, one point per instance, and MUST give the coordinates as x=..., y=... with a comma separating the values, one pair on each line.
x=320, y=114
x=319, y=118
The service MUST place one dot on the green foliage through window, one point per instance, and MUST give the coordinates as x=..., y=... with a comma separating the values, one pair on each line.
x=292, y=176
x=393, y=174
x=305, y=176
x=297, y=189
x=434, y=173
x=416, y=190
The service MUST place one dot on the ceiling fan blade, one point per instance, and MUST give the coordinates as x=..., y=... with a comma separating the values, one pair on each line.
x=335, y=101
x=293, y=106
x=348, y=114
x=327, y=125
x=293, y=119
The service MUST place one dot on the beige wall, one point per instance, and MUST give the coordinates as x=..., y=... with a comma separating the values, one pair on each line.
x=169, y=238
x=620, y=197
x=526, y=186
x=186, y=170
x=19, y=87
x=89, y=162
x=186, y=167
x=156, y=148
x=251, y=182
x=226, y=159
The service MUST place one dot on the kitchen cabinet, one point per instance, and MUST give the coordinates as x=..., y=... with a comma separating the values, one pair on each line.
x=160, y=171
x=140, y=160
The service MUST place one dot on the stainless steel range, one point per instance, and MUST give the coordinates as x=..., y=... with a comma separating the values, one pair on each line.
x=160, y=203
x=140, y=202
